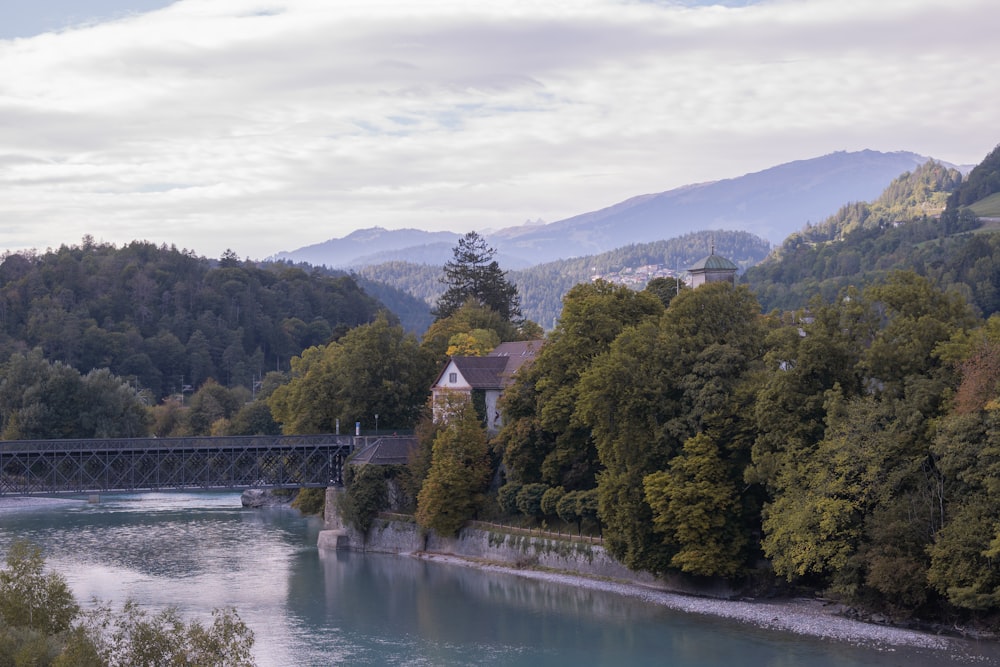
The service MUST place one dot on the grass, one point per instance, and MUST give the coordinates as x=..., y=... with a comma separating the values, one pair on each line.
x=989, y=207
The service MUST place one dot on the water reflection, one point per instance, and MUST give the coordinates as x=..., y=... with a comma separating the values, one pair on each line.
x=200, y=551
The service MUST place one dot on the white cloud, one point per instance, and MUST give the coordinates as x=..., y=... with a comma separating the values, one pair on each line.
x=264, y=126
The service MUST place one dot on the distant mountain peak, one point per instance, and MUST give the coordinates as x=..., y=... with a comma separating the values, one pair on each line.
x=369, y=242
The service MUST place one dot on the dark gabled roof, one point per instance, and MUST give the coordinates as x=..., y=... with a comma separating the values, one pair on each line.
x=482, y=372
x=386, y=451
x=496, y=370
x=517, y=354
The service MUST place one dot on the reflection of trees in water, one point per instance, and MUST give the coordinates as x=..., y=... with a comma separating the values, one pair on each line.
x=177, y=542
x=406, y=596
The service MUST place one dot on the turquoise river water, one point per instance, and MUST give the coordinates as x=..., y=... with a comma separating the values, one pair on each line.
x=199, y=551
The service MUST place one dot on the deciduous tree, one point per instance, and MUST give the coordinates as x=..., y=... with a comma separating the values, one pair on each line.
x=542, y=439
x=453, y=490
x=32, y=598
x=696, y=508
x=375, y=369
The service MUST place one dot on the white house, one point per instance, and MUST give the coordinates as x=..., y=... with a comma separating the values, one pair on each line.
x=489, y=375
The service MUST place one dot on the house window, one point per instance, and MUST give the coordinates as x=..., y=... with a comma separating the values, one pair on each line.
x=452, y=378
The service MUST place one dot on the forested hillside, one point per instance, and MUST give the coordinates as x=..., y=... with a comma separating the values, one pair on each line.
x=982, y=182
x=168, y=319
x=922, y=192
x=901, y=230
x=542, y=287
x=421, y=280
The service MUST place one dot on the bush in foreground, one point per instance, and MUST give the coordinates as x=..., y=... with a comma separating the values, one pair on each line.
x=41, y=624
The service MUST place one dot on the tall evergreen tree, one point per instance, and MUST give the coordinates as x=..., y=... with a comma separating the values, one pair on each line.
x=473, y=274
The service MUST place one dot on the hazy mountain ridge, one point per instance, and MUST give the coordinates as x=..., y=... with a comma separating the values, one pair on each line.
x=434, y=254
x=773, y=203
x=347, y=251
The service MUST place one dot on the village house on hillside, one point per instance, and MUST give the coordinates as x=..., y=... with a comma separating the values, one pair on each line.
x=484, y=378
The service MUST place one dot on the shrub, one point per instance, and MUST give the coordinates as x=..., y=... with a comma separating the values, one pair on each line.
x=550, y=500
x=310, y=501
x=529, y=499
x=507, y=497
x=364, y=497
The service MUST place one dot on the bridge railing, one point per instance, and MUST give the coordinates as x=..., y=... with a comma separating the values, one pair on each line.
x=194, y=442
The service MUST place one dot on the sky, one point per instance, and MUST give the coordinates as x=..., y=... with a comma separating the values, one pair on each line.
x=266, y=125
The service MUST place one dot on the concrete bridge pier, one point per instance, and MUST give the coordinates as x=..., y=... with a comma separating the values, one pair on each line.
x=334, y=536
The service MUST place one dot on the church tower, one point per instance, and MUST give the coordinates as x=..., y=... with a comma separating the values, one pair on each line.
x=713, y=269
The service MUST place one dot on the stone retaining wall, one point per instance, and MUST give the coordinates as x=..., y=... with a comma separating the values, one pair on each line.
x=405, y=537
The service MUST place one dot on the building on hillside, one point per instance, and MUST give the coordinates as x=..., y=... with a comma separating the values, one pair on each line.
x=484, y=379
x=713, y=269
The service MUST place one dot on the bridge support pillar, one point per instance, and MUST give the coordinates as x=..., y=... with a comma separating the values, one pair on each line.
x=334, y=536
x=331, y=509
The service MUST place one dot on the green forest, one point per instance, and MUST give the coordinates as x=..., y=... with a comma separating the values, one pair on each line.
x=848, y=449
x=168, y=319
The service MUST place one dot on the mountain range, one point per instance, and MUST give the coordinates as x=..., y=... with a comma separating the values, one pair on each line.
x=772, y=203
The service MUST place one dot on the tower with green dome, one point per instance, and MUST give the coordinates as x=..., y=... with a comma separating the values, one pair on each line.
x=713, y=269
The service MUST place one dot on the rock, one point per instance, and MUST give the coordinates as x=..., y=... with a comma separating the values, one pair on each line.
x=265, y=498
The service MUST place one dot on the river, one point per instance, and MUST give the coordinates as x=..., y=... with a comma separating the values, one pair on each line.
x=199, y=551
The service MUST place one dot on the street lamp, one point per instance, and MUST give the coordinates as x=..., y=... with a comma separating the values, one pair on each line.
x=376, y=424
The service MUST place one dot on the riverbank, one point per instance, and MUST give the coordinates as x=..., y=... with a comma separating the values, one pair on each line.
x=586, y=566
x=813, y=618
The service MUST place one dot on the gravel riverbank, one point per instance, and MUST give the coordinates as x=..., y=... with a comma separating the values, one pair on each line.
x=799, y=616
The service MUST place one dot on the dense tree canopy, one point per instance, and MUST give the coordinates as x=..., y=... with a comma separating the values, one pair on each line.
x=375, y=369
x=849, y=443
x=168, y=319
x=471, y=316
x=660, y=384
x=542, y=439
x=41, y=399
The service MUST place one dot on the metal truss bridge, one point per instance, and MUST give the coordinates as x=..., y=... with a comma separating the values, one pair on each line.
x=143, y=464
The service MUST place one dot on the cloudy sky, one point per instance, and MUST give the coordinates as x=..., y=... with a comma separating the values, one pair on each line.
x=267, y=125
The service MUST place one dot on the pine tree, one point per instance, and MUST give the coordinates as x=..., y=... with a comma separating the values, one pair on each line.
x=473, y=274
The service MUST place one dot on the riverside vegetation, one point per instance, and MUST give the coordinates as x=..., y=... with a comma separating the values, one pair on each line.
x=41, y=624
x=844, y=444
